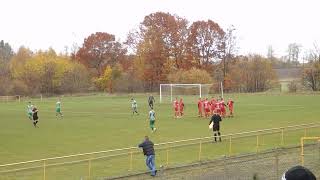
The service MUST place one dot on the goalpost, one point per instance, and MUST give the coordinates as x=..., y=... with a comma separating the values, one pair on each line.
x=168, y=91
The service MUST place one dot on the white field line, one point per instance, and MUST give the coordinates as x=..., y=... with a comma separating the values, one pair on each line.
x=108, y=111
x=274, y=105
x=129, y=113
x=274, y=110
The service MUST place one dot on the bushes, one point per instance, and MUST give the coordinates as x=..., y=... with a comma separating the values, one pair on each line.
x=293, y=86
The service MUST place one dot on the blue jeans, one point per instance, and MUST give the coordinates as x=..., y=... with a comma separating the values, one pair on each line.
x=150, y=162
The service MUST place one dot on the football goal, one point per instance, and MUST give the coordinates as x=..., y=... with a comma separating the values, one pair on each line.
x=169, y=91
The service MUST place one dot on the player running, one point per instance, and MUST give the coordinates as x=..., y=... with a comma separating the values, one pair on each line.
x=176, y=108
x=58, y=109
x=29, y=110
x=230, y=105
x=134, y=106
x=181, y=107
x=35, y=116
x=152, y=119
x=151, y=100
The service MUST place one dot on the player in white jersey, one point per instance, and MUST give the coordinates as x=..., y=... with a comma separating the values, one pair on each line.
x=29, y=110
x=134, y=106
x=58, y=109
x=152, y=119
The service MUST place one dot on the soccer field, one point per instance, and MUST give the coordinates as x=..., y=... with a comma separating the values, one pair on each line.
x=100, y=122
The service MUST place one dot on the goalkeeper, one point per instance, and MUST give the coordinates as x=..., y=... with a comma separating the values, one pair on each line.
x=151, y=100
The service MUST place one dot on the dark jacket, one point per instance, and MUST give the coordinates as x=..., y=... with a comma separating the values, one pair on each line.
x=151, y=100
x=147, y=147
x=216, y=118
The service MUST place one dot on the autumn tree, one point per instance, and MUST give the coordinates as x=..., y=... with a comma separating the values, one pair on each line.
x=18, y=61
x=100, y=50
x=152, y=52
x=293, y=53
x=191, y=76
x=229, y=49
x=75, y=79
x=252, y=74
x=205, y=43
x=6, y=51
x=109, y=77
x=5, y=55
x=311, y=76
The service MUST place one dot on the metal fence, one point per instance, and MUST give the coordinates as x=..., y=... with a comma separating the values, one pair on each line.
x=170, y=154
x=267, y=165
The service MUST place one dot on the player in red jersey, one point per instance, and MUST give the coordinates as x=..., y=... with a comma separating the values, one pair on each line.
x=212, y=105
x=176, y=108
x=222, y=108
x=199, y=107
x=181, y=107
x=206, y=108
x=217, y=108
x=230, y=105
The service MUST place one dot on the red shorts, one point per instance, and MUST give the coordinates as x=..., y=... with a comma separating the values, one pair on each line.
x=207, y=110
x=176, y=109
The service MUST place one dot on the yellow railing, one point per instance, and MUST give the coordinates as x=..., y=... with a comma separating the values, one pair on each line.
x=302, y=141
x=89, y=158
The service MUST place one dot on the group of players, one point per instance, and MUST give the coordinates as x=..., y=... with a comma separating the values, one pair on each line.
x=178, y=107
x=207, y=107
x=32, y=112
x=151, y=114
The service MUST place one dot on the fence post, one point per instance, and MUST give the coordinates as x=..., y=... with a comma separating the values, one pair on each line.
x=277, y=163
x=282, y=137
x=225, y=167
x=167, y=160
x=89, y=169
x=305, y=132
x=230, y=145
x=257, y=143
x=131, y=159
x=302, y=152
x=200, y=149
x=44, y=169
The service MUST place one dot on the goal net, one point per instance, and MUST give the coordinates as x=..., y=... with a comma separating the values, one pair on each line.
x=168, y=92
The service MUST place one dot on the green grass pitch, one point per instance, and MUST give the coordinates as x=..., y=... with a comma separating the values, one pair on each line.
x=100, y=122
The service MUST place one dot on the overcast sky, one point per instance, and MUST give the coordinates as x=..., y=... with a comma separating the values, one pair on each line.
x=40, y=24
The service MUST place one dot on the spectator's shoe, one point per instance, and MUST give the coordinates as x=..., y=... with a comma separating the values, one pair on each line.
x=155, y=173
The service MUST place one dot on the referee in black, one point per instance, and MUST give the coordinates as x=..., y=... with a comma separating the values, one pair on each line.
x=151, y=100
x=216, y=118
